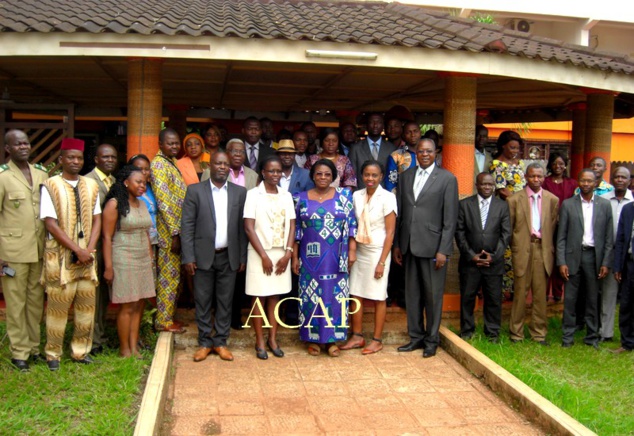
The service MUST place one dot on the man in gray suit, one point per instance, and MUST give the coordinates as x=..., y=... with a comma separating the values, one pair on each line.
x=374, y=147
x=106, y=163
x=482, y=234
x=584, y=252
x=214, y=249
x=427, y=199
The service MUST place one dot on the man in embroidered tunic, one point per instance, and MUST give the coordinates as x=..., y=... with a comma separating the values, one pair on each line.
x=72, y=216
x=21, y=248
x=169, y=189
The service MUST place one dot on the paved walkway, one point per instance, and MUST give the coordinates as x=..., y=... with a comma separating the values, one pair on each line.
x=387, y=393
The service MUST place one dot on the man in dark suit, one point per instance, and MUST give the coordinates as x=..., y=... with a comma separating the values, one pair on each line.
x=584, y=252
x=214, y=249
x=256, y=150
x=374, y=147
x=482, y=234
x=106, y=163
x=427, y=199
x=624, y=275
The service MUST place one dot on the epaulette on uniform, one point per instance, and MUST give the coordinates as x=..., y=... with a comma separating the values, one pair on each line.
x=40, y=167
x=3, y=168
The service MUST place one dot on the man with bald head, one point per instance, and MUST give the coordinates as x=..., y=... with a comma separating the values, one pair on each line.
x=21, y=248
x=610, y=288
x=105, y=165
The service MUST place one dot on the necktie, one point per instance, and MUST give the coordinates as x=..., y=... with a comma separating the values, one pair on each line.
x=253, y=161
x=108, y=182
x=484, y=212
x=419, y=184
x=375, y=150
x=535, y=218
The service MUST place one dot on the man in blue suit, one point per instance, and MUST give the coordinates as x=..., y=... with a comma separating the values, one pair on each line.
x=624, y=275
x=294, y=179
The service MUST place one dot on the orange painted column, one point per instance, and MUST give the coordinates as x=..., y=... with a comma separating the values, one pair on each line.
x=577, y=152
x=599, y=128
x=459, y=131
x=458, y=158
x=145, y=105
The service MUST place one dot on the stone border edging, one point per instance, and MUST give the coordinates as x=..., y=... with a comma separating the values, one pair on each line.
x=153, y=403
x=532, y=405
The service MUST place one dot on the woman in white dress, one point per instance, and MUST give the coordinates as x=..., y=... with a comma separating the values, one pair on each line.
x=269, y=222
x=375, y=209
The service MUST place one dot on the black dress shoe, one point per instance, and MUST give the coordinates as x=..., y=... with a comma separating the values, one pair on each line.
x=20, y=365
x=87, y=360
x=411, y=346
x=38, y=358
x=466, y=336
x=610, y=339
x=429, y=352
x=53, y=365
x=566, y=344
x=236, y=325
x=96, y=350
x=545, y=343
x=261, y=353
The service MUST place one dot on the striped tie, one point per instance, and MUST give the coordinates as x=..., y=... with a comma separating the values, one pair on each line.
x=484, y=212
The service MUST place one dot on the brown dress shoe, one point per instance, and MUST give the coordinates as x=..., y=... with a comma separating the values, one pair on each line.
x=224, y=353
x=201, y=354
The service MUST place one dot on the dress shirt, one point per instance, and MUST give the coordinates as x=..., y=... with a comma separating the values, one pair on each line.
x=221, y=203
x=530, y=194
x=285, y=182
x=256, y=151
x=417, y=179
x=587, y=207
x=480, y=157
x=377, y=142
x=239, y=179
x=488, y=203
x=301, y=160
x=617, y=205
x=345, y=149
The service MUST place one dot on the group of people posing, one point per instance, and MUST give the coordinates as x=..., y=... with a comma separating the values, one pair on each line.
x=315, y=223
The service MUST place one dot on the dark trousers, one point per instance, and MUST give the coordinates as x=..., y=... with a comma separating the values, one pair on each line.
x=102, y=298
x=470, y=281
x=291, y=307
x=239, y=298
x=626, y=309
x=424, y=288
x=218, y=283
x=588, y=275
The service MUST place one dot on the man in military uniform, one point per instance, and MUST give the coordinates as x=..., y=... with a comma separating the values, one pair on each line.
x=21, y=248
x=106, y=163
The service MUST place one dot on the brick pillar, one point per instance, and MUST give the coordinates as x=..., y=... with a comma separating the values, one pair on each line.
x=577, y=152
x=599, y=128
x=459, y=131
x=458, y=158
x=145, y=105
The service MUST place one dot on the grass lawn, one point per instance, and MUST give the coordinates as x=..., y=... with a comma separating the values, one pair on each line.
x=78, y=399
x=594, y=387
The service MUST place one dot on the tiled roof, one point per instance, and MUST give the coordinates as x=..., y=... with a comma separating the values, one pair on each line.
x=332, y=21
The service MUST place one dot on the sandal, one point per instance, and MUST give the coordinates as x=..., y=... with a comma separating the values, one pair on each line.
x=369, y=350
x=333, y=350
x=313, y=349
x=349, y=346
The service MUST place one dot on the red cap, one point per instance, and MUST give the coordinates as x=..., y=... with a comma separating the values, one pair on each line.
x=72, y=144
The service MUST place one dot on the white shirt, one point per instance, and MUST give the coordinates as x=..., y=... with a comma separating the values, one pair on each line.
x=617, y=206
x=479, y=157
x=587, y=207
x=47, y=209
x=301, y=160
x=285, y=182
x=419, y=175
x=221, y=202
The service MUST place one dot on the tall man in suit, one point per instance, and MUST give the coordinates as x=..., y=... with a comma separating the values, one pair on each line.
x=373, y=147
x=256, y=150
x=294, y=180
x=427, y=199
x=533, y=220
x=482, y=156
x=482, y=234
x=584, y=252
x=106, y=163
x=624, y=275
x=214, y=250
x=22, y=248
